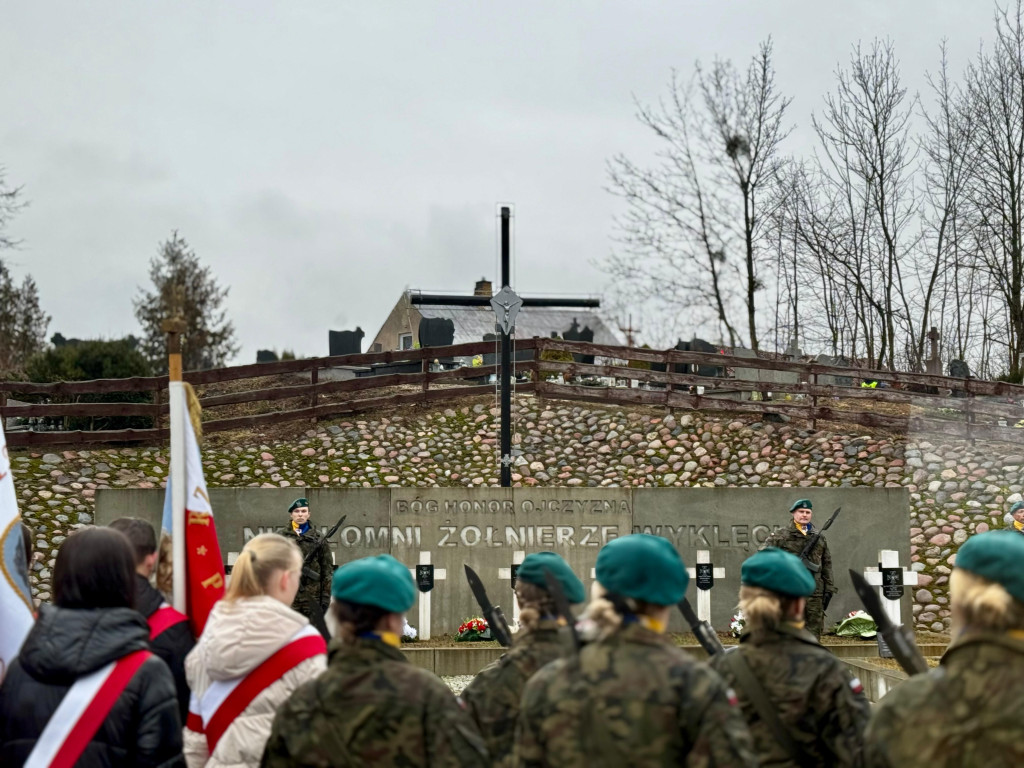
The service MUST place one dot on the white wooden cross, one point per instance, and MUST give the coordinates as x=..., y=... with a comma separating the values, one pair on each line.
x=506, y=573
x=440, y=574
x=890, y=558
x=704, y=595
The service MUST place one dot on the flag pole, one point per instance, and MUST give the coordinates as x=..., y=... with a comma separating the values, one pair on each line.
x=174, y=327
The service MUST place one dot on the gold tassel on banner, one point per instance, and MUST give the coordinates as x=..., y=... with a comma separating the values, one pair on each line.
x=195, y=412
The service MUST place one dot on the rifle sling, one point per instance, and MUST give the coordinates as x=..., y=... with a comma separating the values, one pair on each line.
x=757, y=696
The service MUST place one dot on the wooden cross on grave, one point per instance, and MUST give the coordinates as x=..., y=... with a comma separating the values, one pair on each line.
x=425, y=575
x=705, y=574
x=890, y=579
x=506, y=305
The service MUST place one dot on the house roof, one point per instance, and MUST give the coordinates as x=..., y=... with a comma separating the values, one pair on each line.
x=472, y=323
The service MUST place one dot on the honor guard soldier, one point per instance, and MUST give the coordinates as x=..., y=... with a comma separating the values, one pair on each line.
x=372, y=707
x=631, y=697
x=818, y=561
x=802, y=705
x=1017, y=513
x=968, y=711
x=314, y=594
x=493, y=697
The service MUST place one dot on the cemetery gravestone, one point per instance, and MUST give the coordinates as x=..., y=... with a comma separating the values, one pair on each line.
x=345, y=342
x=575, y=334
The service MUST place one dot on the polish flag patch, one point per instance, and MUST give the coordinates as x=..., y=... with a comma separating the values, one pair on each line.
x=855, y=685
x=731, y=695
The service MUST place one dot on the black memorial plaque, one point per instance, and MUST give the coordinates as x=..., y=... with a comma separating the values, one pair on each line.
x=892, y=583
x=705, y=575
x=425, y=577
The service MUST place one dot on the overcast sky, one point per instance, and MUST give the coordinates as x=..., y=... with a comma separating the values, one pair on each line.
x=323, y=156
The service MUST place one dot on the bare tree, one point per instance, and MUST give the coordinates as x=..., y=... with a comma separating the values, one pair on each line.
x=694, y=235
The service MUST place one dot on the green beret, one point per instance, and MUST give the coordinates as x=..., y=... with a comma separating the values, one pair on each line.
x=1016, y=505
x=296, y=504
x=778, y=571
x=380, y=581
x=800, y=504
x=996, y=556
x=643, y=567
x=532, y=572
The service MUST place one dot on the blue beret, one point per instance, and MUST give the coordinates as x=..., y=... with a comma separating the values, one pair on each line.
x=801, y=504
x=1016, y=505
x=643, y=567
x=777, y=571
x=532, y=572
x=997, y=556
x=380, y=581
x=298, y=503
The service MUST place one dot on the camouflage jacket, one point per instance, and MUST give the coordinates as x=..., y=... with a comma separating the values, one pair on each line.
x=312, y=590
x=493, y=697
x=372, y=707
x=792, y=540
x=815, y=697
x=967, y=712
x=631, y=699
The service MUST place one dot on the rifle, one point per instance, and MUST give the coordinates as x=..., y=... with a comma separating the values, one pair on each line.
x=813, y=541
x=701, y=629
x=311, y=556
x=493, y=613
x=899, y=641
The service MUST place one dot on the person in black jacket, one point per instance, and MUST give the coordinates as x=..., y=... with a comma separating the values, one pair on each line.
x=173, y=643
x=92, y=623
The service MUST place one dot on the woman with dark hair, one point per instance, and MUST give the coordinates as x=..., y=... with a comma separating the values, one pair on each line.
x=372, y=707
x=84, y=689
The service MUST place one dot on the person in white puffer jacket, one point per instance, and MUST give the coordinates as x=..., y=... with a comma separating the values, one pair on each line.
x=253, y=653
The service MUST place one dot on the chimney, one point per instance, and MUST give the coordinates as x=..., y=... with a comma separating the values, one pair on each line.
x=483, y=287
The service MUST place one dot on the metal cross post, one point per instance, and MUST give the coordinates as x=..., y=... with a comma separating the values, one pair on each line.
x=890, y=578
x=506, y=305
x=425, y=575
x=705, y=574
x=510, y=574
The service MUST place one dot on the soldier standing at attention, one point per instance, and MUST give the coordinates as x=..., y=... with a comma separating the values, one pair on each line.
x=969, y=711
x=493, y=697
x=631, y=698
x=372, y=707
x=802, y=705
x=314, y=595
x=1017, y=512
x=819, y=561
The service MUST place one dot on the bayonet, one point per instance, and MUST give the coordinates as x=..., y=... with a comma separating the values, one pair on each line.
x=565, y=616
x=805, y=554
x=701, y=629
x=899, y=641
x=495, y=618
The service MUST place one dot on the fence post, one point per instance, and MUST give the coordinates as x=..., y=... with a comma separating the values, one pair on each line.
x=314, y=378
x=425, y=370
x=967, y=409
x=159, y=420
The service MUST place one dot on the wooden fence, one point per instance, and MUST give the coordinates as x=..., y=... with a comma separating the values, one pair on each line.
x=298, y=390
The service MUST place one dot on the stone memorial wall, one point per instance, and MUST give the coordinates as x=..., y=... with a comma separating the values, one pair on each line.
x=487, y=527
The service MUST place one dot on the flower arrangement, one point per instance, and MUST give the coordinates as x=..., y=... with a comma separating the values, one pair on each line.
x=409, y=633
x=857, y=624
x=473, y=630
x=738, y=623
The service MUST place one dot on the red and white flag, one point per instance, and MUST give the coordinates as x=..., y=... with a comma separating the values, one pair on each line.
x=203, y=580
x=16, y=610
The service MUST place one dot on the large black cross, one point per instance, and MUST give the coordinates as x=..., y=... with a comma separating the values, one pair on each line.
x=506, y=304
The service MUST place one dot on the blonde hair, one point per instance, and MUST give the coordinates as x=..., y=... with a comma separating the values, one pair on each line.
x=763, y=609
x=534, y=603
x=165, y=566
x=606, y=615
x=259, y=559
x=982, y=604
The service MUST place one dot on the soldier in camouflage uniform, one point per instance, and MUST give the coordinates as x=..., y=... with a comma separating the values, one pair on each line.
x=794, y=539
x=631, y=698
x=314, y=595
x=1017, y=513
x=493, y=697
x=820, y=705
x=372, y=707
x=969, y=711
